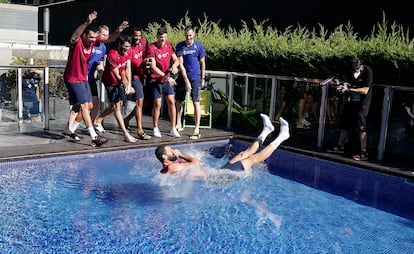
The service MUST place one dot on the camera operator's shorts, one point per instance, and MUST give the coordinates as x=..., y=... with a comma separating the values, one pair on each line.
x=354, y=115
x=160, y=89
x=79, y=93
x=115, y=93
x=195, y=90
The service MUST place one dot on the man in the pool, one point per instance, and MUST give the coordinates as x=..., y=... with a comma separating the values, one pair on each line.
x=243, y=161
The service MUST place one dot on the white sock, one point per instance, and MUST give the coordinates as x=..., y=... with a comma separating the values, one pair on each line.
x=267, y=127
x=75, y=126
x=283, y=133
x=92, y=132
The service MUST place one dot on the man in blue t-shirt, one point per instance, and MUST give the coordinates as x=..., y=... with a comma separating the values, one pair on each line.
x=191, y=56
x=95, y=69
x=31, y=94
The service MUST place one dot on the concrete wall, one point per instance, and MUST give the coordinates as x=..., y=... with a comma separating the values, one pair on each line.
x=18, y=24
x=19, y=36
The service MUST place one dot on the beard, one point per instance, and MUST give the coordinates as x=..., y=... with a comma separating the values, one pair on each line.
x=172, y=158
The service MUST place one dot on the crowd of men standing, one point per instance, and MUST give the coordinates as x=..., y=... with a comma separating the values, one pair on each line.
x=124, y=70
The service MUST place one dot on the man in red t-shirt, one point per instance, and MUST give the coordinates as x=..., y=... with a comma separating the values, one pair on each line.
x=75, y=76
x=117, y=80
x=138, y=48
x=160, y=54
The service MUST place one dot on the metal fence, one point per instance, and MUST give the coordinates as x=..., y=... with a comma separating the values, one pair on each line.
x=238, y=98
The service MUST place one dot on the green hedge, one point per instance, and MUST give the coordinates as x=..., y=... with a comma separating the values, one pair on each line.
x=301, y=51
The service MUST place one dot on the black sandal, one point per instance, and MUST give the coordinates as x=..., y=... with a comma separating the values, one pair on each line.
x=144, y=136
x=72, y=136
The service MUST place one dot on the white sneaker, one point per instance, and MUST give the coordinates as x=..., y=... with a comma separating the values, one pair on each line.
x=157, y=133
x=174, y=133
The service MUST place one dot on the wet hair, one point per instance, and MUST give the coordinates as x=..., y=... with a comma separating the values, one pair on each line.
x=159, y=152
x=162, y=30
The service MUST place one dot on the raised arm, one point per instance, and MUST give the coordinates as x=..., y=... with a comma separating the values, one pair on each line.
x=189, y=161
x=113, y=36
x=78, y=32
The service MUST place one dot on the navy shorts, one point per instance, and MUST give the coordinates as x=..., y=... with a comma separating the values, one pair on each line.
x=195, y=90
x=139, y=88
x=158, y=89
x=79, y=93
x=354, y=115
x=115, y=93
x=237, y=166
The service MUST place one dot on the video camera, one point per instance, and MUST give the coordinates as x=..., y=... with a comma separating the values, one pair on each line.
x=339, y=85
x=171, y=74
x=148, y=66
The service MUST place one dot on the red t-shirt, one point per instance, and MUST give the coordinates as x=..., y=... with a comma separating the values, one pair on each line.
x=162, y=58
x=77, y=65
x=137, y=60
x=114, y=60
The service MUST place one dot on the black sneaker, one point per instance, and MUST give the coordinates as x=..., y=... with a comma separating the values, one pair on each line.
x=361, y=157
x=337, y=149
x=98, y=141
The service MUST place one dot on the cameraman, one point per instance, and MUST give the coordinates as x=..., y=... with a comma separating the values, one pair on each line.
x=355, y=110
x=31, y=94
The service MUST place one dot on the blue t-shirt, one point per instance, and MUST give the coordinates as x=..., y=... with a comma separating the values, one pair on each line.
x=191, y=56
x=97, y=56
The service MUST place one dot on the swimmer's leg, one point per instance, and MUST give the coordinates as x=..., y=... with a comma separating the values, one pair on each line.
x=269, y=149
x=267, y=128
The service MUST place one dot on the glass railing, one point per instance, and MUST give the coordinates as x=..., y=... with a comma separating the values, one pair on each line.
x=238, y=98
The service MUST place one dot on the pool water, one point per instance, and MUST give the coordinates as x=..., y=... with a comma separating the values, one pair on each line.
x=118, y=203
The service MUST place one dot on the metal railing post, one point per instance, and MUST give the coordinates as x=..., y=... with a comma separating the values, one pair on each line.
x=19, y=98
x=230, y=103
x=273, y=93
x=46, y=99
x=322, y=116
x=246, y=92
x=386, y=106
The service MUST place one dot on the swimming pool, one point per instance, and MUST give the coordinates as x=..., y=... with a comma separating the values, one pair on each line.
x=116, y=202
